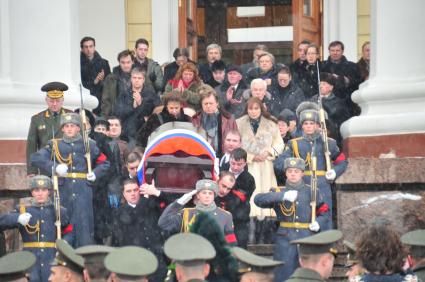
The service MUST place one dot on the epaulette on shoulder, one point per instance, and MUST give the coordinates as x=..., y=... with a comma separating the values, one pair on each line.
x=296, y=138
x=277, y=189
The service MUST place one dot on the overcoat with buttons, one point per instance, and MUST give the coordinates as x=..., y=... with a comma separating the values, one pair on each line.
x=45, y=216
x=75, y=193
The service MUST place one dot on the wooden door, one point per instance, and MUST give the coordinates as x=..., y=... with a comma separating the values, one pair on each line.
x=307, y=24
x=187, y=26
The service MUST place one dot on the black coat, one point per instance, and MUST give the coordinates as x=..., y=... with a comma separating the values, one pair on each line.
x=285, y=98
x=297, y=67
x=237, y=110
x=308, y=80
x=156, y=121
x=89, y=71
x=257, y=73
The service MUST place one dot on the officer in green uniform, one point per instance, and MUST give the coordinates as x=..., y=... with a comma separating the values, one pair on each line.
x=131, y=264
x=67, y=265
x=14, y=266
x=253, y=267
x=46, y=123
x=190, y=252
x=416, y=241
x=317, y=255
x=94, y=268
x=352, y=263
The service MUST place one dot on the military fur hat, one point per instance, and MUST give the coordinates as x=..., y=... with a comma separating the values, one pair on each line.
x=294, y=163
x=70, y=118
x=306, y=105
x=14, y=266
x=54, y=89
x=327, y=77
x=309, y=115
x=206, y=184
x=40, y=181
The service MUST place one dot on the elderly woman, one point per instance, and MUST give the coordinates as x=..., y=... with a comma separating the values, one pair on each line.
x=265, y=69
x=258, y=89
x=263, y=143
x=187, y=82
x=381, y=253
x=211, y=122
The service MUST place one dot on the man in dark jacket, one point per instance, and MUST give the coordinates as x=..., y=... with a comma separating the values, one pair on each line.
x=285, y=94
x=297, y=67
x=213, y=54
x=136, y=222
x=181, y=56
x=94, y=69
x=135, y=106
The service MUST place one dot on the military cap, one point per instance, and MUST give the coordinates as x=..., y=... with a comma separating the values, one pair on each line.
x=249, y=262
x=294, y=163
x=101, y=121
x=234, y=68
x=188, y=248
x=414, y=238
x=286, y=115
x=70, y=118
x=306, y=105
x=66, y=257
x=54, y=89
x=94, y=253
x=40, y=181
x=327, y=77
x=351, y=253
x=218, y=65
x=309, y=115
x=131, y=262
x=319, y=243
x=206, y=184
x=15, y=265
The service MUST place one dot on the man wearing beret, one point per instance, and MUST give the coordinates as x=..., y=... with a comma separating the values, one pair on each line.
x=230, y=92
x=317, y=256
x=46, y=123
x=68, y=159
x=292, y=205
x=302, y=147
x=176, y=218
x=36, y=223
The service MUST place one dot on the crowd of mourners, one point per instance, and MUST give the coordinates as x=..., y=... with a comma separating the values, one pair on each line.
x=277, y=160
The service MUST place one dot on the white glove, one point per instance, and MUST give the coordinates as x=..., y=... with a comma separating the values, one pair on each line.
x=91, y=176
x=290, y=196
x=61, y=169
x=315, y=226
x=183, y=200
x=330, y=175
x=24, y=218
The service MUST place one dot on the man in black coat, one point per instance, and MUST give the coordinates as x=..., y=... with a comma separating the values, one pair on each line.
x=285, y=94
x=237, y=201
x=298, y=66
x=135, y=223
x=213, y=54
x=94, y=69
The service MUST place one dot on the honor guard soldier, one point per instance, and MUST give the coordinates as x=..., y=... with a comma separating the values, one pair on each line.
x=46, y=124
x=131, y=264
x=317, y=256
x=313, y=150
x=71, y=159
x=253, y=267
x=415, y=240
x=176, y=218
x=293, y=205
x=94, y=267
x=14, y=266
x=36, y=224
x=67, y=265
x=190, y=252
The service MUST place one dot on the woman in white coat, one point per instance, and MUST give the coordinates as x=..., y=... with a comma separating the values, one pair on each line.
x=263, y=143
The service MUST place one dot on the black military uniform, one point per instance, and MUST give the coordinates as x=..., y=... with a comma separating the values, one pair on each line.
x=39, y=234
x=74, y=187
x=46, y=124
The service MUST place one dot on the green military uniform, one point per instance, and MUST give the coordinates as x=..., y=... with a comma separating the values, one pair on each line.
x=44, y=124
x=131, y=263
x=320, y=243
x=66, y=257
x=189, y=249
x=94, y=256
x=416, y=240
x=251, y=263
x=15, y=266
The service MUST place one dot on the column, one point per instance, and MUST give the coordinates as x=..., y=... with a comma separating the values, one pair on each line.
x=393, y=99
